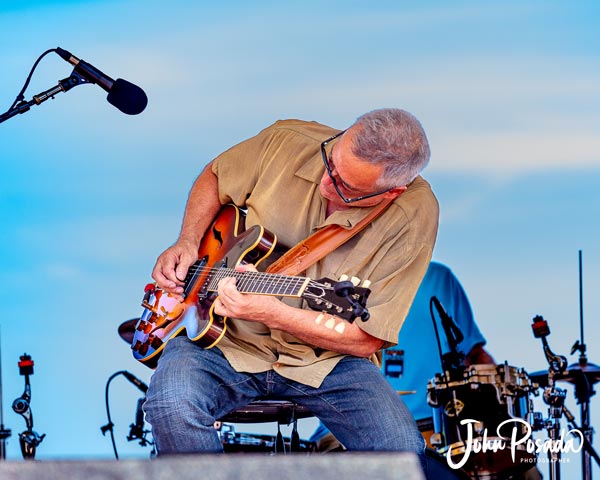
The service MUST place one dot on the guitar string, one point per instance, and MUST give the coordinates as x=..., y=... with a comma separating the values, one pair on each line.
x=235, y=273
x=278, y=282
x=202, y=268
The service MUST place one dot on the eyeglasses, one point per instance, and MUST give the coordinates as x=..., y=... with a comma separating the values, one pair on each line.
x=334, y=181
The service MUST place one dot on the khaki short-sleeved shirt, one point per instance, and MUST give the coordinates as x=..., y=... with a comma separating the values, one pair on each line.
x=276, y=176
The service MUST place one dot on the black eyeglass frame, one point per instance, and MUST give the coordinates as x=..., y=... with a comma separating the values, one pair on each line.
x=330, y=173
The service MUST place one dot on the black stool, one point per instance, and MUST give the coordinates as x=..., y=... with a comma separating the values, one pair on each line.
x=264, y=411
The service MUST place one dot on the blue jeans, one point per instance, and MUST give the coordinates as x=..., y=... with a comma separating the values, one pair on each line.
x=192, y=387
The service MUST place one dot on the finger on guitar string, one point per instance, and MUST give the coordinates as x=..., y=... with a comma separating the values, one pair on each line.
x=219, y=307
x=227, y=288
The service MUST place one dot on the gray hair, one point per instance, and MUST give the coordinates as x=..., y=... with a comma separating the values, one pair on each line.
x=394, y=138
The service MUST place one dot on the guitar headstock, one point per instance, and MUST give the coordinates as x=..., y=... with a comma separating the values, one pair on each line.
x=343, y=298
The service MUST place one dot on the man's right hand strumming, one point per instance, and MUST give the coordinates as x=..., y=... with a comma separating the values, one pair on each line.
x=172, y=266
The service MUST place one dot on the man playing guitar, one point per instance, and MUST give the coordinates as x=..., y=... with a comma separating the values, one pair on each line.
x=294, y=178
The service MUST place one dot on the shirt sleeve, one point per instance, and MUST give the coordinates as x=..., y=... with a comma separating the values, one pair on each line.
x=238, y=168
x=398, y=265
x=393, y=297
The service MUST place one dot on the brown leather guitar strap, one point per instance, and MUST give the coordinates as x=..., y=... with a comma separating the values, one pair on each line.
x=321, y=243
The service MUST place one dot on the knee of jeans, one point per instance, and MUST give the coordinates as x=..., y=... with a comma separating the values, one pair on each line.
x=176, y=411
x=171, y=397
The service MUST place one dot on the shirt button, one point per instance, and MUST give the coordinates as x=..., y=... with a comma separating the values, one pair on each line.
x=277, y=364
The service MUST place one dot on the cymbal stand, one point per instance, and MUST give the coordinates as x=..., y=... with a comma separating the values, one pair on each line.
x=587, y=446
x=584, y=388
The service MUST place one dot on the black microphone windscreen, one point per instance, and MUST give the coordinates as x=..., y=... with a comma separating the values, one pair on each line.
x=127, y=97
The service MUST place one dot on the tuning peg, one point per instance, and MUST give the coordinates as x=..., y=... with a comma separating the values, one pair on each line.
x=343, y=277
x=355, y=281
x=366, y=284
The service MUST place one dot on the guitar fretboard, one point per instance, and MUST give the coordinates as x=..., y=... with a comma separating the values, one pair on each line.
x=259, y=283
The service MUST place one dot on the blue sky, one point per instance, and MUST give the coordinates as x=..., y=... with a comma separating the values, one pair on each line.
x=509, y=93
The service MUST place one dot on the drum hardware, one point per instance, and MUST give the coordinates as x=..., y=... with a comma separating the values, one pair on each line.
x=554, y=397
x=28, y=439
x=393, y=363
x=484, y=397
x=234, y=442
x=454, y=407
x=586, y=444
x=584, y=386
x=583, y=375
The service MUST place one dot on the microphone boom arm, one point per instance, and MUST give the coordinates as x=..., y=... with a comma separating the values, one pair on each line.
x=63, y=85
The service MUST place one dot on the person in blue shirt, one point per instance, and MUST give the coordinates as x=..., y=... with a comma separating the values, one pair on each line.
x=417, y=349
x=417, y=339
x=415, y=359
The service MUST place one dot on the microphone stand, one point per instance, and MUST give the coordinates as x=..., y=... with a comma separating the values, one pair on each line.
x=63, y=85
x=136, y=429
x=5, y=433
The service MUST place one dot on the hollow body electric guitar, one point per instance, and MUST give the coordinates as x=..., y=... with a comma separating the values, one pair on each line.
x=224, y=246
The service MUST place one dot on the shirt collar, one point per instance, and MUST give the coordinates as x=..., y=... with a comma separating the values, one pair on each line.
x=312, y=171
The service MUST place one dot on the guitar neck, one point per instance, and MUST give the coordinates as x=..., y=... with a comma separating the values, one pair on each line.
x=260, y=283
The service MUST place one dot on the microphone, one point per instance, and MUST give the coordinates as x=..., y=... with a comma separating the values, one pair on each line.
x=447, y=321
x=136, y=381
x=125, y=96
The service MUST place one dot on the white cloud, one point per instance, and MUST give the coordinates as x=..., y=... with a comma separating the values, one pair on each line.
x=506, y=153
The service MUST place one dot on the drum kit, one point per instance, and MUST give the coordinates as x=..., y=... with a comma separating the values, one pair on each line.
x=483, y=415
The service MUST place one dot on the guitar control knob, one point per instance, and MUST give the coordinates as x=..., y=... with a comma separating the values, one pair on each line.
x=355, y=281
